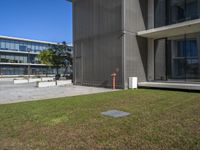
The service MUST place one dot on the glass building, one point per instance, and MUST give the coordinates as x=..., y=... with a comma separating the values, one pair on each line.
x=17, y=54
x=182, y=51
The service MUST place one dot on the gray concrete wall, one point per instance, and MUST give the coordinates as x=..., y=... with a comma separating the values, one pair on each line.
x=97, y=41
x=135, y=48
x=150, y=60
x=150, y=14
x=105, y=41
x=160, y=59
x=150, y=56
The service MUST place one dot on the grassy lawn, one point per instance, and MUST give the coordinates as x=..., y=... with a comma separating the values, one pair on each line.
x=159, y=120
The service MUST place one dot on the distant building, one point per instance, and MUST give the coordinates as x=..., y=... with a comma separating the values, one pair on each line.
x=17, y=54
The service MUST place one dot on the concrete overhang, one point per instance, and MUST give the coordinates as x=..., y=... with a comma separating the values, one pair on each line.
x=186, y=27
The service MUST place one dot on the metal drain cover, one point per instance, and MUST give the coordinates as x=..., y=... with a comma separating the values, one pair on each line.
x=115, y=113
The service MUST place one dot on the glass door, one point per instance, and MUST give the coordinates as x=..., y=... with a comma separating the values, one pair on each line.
x=192, y=54
x=183, y=58
x=176, y=58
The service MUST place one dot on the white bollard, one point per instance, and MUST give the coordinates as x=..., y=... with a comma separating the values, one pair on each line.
x=133, y=82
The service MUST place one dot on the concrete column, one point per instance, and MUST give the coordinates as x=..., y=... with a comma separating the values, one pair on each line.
x=124, y=83
x=150, y=14
x=150, y=60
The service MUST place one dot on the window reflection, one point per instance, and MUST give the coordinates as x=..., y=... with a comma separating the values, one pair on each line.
x=185, y=56
x=174, y=11
x=11, y=58
x=22, y=46
x=178, y=58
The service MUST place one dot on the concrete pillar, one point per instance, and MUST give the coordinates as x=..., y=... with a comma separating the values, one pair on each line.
x=150, y=14
x=150, y=60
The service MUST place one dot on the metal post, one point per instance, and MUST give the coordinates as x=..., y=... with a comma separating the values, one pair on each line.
x=113, y=80
x=29, y=63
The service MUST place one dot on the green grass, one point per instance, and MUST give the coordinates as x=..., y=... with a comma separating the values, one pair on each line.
x=159, y=120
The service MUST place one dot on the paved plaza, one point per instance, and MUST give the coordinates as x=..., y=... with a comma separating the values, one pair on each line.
x=10, y=93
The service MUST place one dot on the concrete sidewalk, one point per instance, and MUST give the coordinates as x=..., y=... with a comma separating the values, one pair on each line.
x=10, y=93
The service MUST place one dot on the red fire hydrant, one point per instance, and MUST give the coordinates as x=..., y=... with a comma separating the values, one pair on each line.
x=113, y=80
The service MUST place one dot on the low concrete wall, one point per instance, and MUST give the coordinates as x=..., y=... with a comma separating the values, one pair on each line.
x=46, y=84
x=53, y=83
x=64, y=82
x=31, y=80
x=47, y=79
x=20, y=81
x=43, y=82
x=34, y=80
x=6, y=79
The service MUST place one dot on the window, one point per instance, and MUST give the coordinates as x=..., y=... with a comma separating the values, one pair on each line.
x=37, y=47
x=22, y=48
x=183, y=57
x=7, y=45
x=12, y=45
x=34, y=47
x=17, y=45
x=3, y=58
x=2, y=44
x=44, y=47
x=174, y=11
x=29, y=46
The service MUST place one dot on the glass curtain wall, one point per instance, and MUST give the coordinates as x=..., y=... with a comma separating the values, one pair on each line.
x=178, y=58
x=184, y=52
x=16, y=58
x=174, y=11
x=22, y=45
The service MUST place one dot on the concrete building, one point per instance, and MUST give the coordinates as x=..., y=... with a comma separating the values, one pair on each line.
x=18, y=57
x=154, y=40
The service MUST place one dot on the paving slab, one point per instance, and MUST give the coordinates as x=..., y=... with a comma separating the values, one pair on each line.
x=115, y=113
x=10, y=93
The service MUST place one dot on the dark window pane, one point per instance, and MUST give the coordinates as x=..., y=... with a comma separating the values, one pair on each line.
x=174, y=11
x=160, y=13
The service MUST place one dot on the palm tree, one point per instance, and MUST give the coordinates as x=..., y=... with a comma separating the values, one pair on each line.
x=56, y=56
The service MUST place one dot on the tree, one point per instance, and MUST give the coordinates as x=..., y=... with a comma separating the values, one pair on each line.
x=45, y=57
x=56, y=56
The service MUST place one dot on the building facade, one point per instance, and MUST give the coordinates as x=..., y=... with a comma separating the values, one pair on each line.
x=154, y=40
x=18, y=57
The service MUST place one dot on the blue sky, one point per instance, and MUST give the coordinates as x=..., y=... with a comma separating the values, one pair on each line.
x=49, y=20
